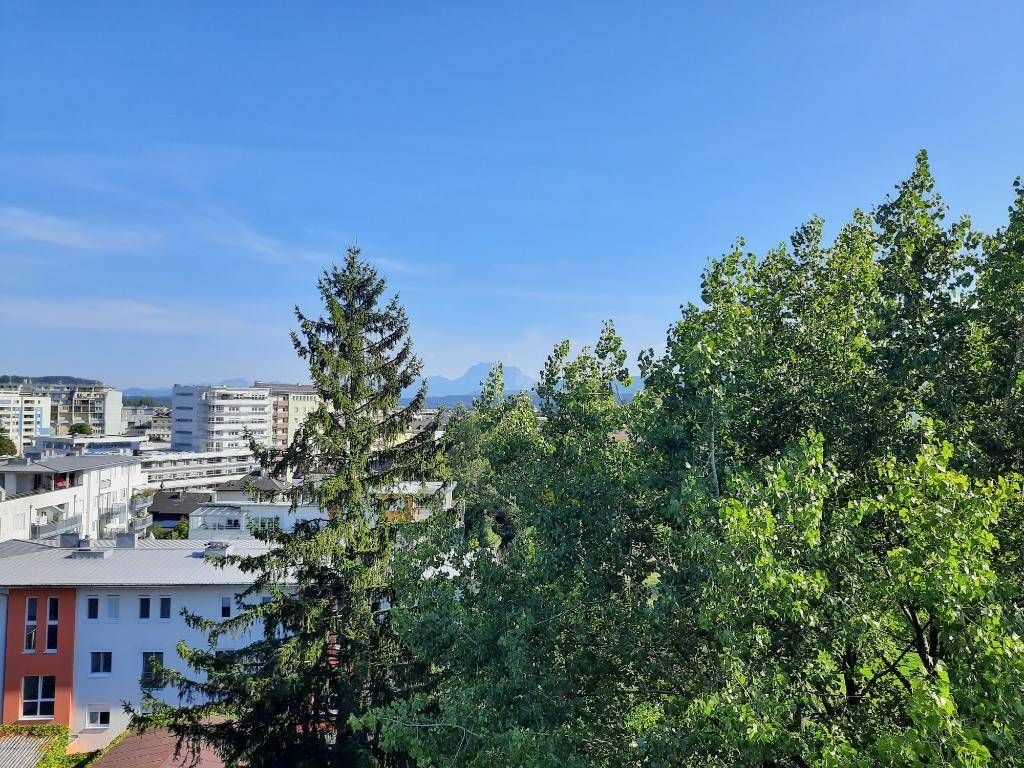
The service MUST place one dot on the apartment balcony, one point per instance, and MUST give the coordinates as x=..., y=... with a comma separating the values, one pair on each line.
x=71, y=524
x=140, y=523
x=113, y=521
x=140, y=502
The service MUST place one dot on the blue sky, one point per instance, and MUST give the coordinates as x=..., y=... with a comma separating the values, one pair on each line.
x=173, y=176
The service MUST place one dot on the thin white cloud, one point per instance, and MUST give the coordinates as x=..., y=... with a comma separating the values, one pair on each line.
x=121, y=315
x=26, y=225
x=241, y=237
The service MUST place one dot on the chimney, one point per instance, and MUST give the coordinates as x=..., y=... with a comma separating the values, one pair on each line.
x=218, y=549
x=68, y=541
x=127, y=540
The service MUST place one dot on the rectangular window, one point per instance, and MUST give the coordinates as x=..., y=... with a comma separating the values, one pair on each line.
x=100, y=662
x=270, y=523
x=37, y=695
x=233, y=522
x=225, y=607
x=99, y=716
x=52, y=605
x=165, y=608
x=151, y=661
x=31, y=619
x=92, y=608
x=144, y=607
x=113, y=607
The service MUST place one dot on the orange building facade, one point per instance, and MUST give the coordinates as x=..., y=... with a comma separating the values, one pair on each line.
x=39, y=664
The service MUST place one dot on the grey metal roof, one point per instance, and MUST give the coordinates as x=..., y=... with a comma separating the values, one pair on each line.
x=75, y=463
x=14, y=547
x=217, y=509
x=18, y=750
x=151, y=563
x=93, y=461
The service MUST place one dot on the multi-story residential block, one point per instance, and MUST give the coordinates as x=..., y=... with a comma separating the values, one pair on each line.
x=92, y=496
x=154, y=423
x=23, y=416
x=195, y=470
x=290, y=405
x=97, y=405
x=85, y=622
x=233, y=514
x=63, y=445
x=215, y=418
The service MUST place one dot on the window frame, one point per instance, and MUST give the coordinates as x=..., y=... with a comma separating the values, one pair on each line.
x=31, y=625
x=52, y=623
x=113, y=616
x=39, y=700
x=92, y=601
x=162, y=601
x=146, y=600
x=226, y=604
x=146, y=681
x=97, y=709
x=110, y=666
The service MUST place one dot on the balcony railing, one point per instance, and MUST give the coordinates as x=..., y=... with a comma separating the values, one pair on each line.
x=140, y=523
x=112, y=521
x=49, y=530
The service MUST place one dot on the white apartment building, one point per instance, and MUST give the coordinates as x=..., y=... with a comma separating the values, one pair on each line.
x=63, y=445
x=195, y=470
x=216, y=418
x=290, y=405
x=232, y=513
x=105, y=611
x=23, y=416
x=93, y=496
x=97, y=405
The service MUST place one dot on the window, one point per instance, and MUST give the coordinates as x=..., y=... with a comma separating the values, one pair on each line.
x=92, y=608
x=151, y=661
x=233, y=522
x=37, y=694
x=99, y=716
x=144, y=607
x=100, y=662
x=52, y=605
x=31, y=617
x=270, y=523
x=225, y=607
x=165, y=608
x=113, y=607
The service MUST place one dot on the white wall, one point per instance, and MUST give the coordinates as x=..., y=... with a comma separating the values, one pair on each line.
x=126, y=638
x=100, y=489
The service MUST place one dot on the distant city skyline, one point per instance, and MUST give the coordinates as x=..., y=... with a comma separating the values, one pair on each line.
x=172, y=183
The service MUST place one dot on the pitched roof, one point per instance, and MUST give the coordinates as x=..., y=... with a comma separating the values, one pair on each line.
x=22, y=750
x=177, y=503
x=153, y=749
x=263, y=483
x=152, y=562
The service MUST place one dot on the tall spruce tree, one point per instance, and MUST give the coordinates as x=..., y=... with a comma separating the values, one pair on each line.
x=319, y=645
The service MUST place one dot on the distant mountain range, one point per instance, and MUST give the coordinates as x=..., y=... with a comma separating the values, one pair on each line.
x=470, y=382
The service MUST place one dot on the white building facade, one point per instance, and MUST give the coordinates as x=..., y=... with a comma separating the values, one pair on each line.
x=24, y=416
x=216, y=418
x=97, y=405
x=92, y=496
x=118, y=609
x=195, y=470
